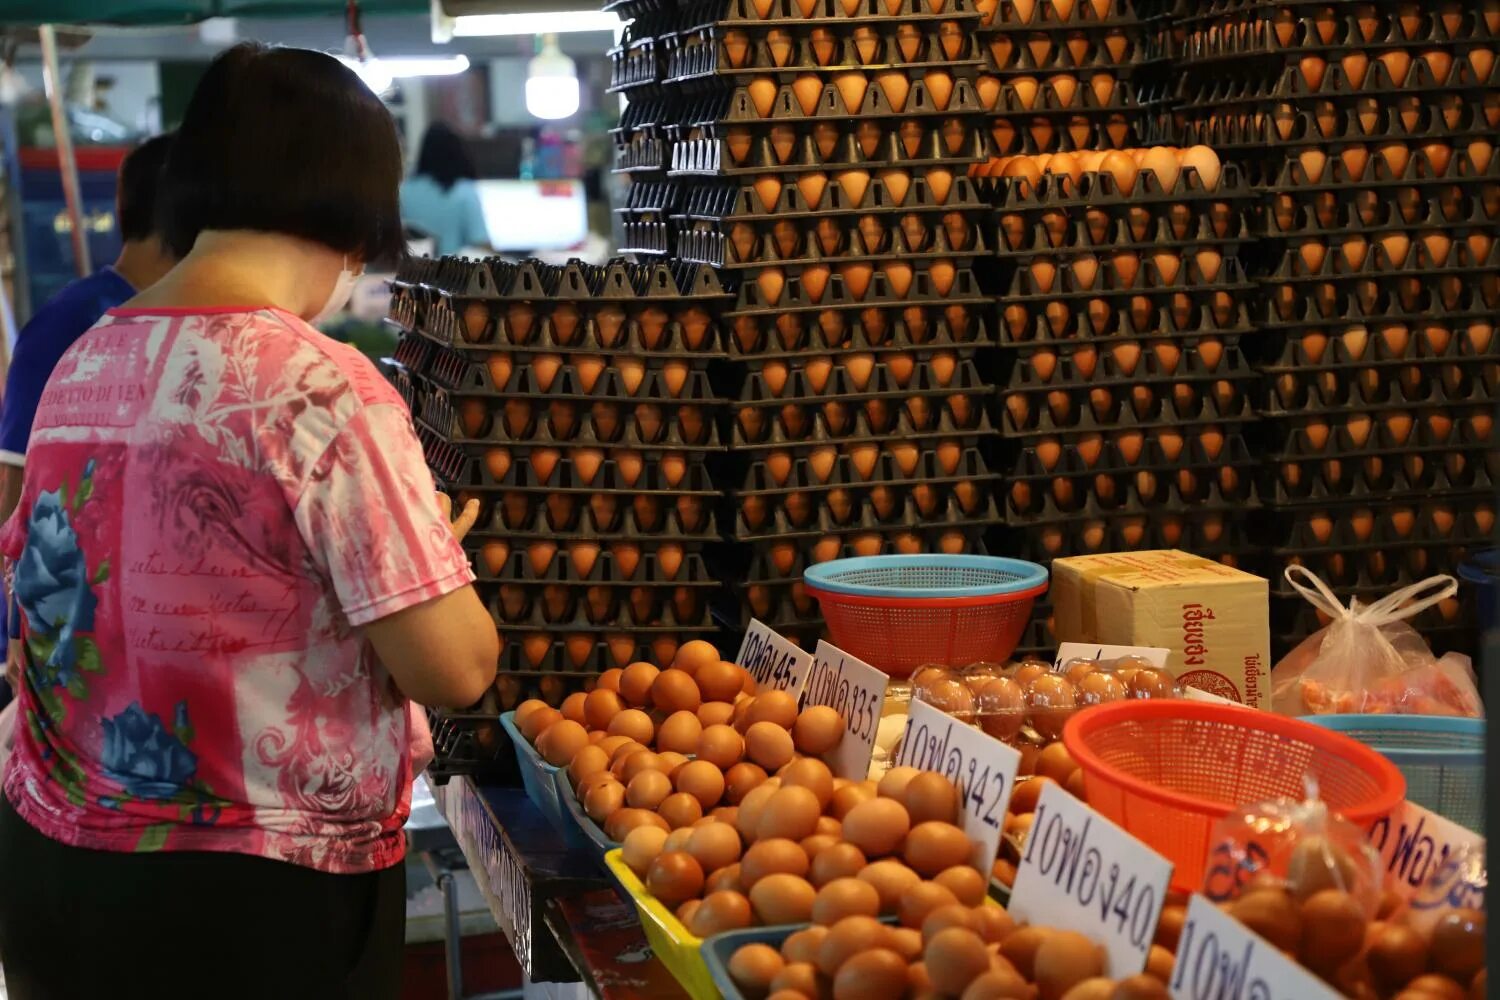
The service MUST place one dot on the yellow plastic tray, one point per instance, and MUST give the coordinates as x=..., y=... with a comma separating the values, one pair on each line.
x=680, y=951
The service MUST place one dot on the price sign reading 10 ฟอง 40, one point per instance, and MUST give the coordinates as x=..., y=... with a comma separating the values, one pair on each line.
x=773, y=661
x=983, y=768
x=1081, y=871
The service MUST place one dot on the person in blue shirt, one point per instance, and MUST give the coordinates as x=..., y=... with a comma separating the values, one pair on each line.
x=53, y=329
x=440, y=199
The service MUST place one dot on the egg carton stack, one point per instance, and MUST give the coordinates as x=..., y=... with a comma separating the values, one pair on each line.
x=1370, y=128
x=1124, y=388
x=815, y=152
x=574, y=403
x=1064, y=76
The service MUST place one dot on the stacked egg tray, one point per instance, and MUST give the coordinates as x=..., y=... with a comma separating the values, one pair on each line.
x=575, y=403
x=734, y=87
x=1369, y=129
x=817, y=152
x=1123, y=386
x=1062, y=75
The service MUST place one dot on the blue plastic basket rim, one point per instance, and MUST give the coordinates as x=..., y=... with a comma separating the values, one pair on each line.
x=1412, y=756
x=1029, y=575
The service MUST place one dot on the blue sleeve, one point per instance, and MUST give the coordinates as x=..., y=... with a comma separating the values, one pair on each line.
x=39, y=346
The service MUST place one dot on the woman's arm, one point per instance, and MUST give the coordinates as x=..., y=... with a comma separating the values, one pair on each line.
x=443, y=652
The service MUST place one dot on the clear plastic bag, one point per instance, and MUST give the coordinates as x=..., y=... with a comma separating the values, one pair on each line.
x=1369, y=660
x=1300, y=876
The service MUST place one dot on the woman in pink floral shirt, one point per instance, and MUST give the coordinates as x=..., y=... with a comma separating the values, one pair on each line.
x=231, y=571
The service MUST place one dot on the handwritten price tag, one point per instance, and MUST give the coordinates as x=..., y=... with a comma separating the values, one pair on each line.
x=855, y=690
x=1219, y=958
x=1068, y=651
x=1414, y=842
x=983, y=768
x=772, y=660
x=1079, y=870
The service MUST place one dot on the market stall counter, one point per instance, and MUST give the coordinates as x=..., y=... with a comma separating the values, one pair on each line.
x=554, y=904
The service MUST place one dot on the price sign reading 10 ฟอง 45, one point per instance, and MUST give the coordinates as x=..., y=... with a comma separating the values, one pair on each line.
x=1081, y=871
x=983, y=768
x=773, y=661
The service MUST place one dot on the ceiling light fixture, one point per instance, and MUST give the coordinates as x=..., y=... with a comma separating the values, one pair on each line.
x=551, y=82
x=483, y=25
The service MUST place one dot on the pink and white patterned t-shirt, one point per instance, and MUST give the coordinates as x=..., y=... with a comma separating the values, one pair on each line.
x=215, y=501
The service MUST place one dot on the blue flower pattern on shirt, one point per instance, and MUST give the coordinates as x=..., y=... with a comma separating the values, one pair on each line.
x=53, y=587
x=147, y=759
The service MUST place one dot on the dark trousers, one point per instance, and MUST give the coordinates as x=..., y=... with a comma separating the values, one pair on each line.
x=84, y=924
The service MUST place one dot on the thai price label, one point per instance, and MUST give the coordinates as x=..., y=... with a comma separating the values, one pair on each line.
x=1219, y=958
x=774, y=662
x=1414, y=843
x=983, y=768
x=1081, y=871
x=855, y=690
x=1069, y=651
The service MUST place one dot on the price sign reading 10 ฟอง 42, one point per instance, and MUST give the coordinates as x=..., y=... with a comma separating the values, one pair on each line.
x=1219, y=958
x=1081, y=871
x=855, y=690
x=773, y=661
x=983, y=768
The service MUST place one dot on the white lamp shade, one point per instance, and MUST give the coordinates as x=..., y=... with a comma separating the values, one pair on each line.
x=552, y=97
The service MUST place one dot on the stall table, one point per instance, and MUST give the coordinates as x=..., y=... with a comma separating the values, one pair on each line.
x=554, y=904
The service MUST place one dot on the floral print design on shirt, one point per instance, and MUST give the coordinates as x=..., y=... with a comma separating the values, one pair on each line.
x=56, y=593
x=151, y=762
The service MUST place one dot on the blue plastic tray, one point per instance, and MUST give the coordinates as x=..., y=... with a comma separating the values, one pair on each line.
x=718, y=949
x=578, y=829
x=1442, y=758
x=536, y=774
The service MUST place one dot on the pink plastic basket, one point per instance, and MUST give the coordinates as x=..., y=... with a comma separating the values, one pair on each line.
x=898, y=613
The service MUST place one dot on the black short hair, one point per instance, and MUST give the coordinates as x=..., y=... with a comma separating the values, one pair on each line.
x=444, y=157
x=285, y=140
x=135, y=192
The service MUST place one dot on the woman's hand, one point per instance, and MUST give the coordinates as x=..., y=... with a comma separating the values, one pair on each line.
x=461, y=524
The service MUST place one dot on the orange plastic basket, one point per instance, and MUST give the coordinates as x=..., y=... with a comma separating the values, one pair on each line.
x=1167, y=770
x=898, y=613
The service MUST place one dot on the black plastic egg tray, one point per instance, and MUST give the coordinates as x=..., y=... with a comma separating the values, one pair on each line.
x=584, y=563
x=703, y=143
x=1433, y=341
x=1385, y=528
x=945, y=509
x=1412, y=477
x=925, y=329
x=882, y=468
x=720, y=53
x=925, y=290
x=1163, y=453
x=523, y=516
x=1253, y=127
x=1208, y=530
x=572, y=660
x=1356, y=434
x=649, y=426
x=878, y=420
x=467, y=305
x=1128, y=404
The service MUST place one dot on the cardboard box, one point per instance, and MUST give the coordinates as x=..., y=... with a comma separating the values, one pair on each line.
x=1215, y=619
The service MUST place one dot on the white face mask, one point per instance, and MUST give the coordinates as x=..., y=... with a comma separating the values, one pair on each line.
x=343, y=287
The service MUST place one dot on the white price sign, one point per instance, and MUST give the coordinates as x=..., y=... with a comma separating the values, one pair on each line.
x=774, y=662
x=1069, y=651
x=1079, y=870
x=983, y=768
x=855, y=690
x=1219, y=958
x=1414, y=842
